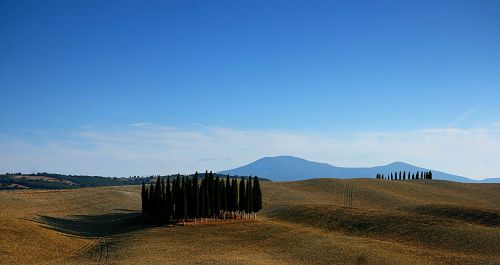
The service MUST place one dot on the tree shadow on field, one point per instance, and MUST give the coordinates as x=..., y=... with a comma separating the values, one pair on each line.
x=96, y=225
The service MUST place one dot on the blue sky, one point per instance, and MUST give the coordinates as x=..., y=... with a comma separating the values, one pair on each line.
x=104, y=81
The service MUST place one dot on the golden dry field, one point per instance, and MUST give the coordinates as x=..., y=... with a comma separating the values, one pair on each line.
x=391, y=222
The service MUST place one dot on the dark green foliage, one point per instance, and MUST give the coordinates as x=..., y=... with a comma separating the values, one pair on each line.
x=234, y=196
x=228, y=195
x=257, y=195
x=195, y=210
x=144, y=198
x=168, y=201
x=216, y=196
x=187, y=199
x=207, y=211
x=242, y=193
x=223, y=196
x=248, y=196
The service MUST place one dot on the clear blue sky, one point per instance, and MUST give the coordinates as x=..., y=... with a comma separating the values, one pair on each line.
x=289, y=66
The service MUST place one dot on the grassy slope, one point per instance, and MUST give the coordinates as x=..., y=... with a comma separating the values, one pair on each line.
x=412, y=222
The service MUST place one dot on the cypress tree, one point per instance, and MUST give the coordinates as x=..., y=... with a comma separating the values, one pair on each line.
x=413, y=176
x=189, y=197
x=202, y=198
x=208, y=210
x=168, y=200
x=163, y=208
x=257, y=196
x=183, y=213
x=151, y=204
x=177, y=194
x=404, y=175
x=157, y=196
x=211, y=189
x=229, y=193
x=417, y=176
x=217, y=197
x=143, y=198
x=242, y=191
x=223, y=198
x=195, y=197
x=399, y=175
x=234, y=197
x=249, y=199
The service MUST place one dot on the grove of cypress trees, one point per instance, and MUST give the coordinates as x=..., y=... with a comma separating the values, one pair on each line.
x=257, y=196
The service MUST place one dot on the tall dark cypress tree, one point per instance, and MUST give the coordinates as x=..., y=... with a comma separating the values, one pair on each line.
x=234, y=197
x=183, y=199
x=399, y=175
x=217, y=197
x=189, y=196
x=404, y=175
x=157, y=196
x=430, y=174
x=151, y=198
x=249, y=195
x=257, y=196
x=229, y=193
x=177, y=194
x=202, y=198
x=195, y=197
x=223, y=198
x=144, y=198
x=242, y=191
x=168, y=200
x=207, y=210
x=163, y=208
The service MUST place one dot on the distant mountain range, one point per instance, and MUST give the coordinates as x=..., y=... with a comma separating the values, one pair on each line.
x=285, y=168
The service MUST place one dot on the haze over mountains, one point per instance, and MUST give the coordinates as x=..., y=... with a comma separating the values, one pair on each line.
x=288, y=168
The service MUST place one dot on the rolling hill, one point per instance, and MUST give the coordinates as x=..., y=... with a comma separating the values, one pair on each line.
x=287, y=168
x=302, y=222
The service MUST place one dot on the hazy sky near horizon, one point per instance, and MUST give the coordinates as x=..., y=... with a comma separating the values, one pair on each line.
x=145, y=87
